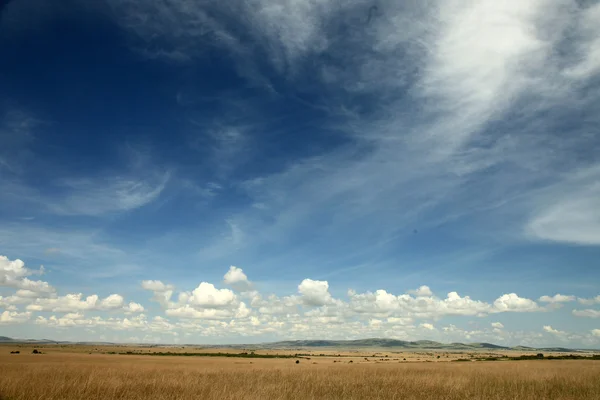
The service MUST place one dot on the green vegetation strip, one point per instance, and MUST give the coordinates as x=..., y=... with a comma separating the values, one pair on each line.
x=242, y=355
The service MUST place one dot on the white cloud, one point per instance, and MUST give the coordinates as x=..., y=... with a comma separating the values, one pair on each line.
x=14, y=317
x=549, y=329
x=236, y=278
x=589, y=45
x=557, y=298
x=14, y=274
x=162, y=292
x=427, y=326
x=589, y=302
x=570, y=212
x=207, y=296
x=108, y=195
x=497, y=325
x=422, y=291
x=112, y=302
x=596, y=332
x=484, y=55
x=315, y=293
x=68, y=303
x=587, y=313
x=512, y=302
x=133, y=308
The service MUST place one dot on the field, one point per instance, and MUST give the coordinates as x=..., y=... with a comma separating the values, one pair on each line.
x=89, y=372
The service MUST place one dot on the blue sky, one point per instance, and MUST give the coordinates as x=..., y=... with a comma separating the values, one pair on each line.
x=247, y=171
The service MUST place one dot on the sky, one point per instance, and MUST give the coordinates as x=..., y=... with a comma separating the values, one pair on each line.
x=202, y=171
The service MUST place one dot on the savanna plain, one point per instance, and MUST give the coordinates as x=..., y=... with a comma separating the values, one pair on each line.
x=101, y=372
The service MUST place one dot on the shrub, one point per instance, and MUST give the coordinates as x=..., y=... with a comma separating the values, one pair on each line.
x=297, y=361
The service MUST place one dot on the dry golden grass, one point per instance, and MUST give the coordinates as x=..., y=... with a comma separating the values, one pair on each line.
x=62, y=375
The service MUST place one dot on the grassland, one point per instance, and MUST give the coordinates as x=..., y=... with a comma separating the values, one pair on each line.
x=79, y=372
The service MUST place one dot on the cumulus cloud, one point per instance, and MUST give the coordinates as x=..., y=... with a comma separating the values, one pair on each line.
x=210, y=311
x=14, y=317
x=133, y=308
x=422, y=291
x=589, y=302
x=162, y=292
x=75, y=302
x=13, y=273
x=112, y=302
x=512, y=302
x=596, y=332
x=315, y=293
x=68, y=303
x=206, y=295
x=237, y=279
x=549, y=329
x=557, y=298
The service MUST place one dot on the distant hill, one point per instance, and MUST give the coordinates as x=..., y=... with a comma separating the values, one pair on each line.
x=5, y=339
x=401, y=345
x=374, y=343
x=383, y=343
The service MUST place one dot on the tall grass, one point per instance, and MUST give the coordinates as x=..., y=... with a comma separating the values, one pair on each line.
x=79, y=376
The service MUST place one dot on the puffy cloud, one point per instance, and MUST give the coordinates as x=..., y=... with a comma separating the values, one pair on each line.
x=549, y=329
x=14, y=274
x=587, y=313
x=557, y=298
x=187, y=311
x=422, y=291
x=427, y=326
x=596, y=332
x=207, y=296
x=589, y=302
x=12, y=270
x=75, y=302
x=156, y=286
x=162, y=292
x=68, y=303
x=315, y=293
x=112, y=302
x=497, y=325
x=237, y=279
x=133, y=308
x=14, y=317
x=512, y=302
x=384, y=303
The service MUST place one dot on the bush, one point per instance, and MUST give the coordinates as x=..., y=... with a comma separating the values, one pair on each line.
x=297, y=361
x=35, y=351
